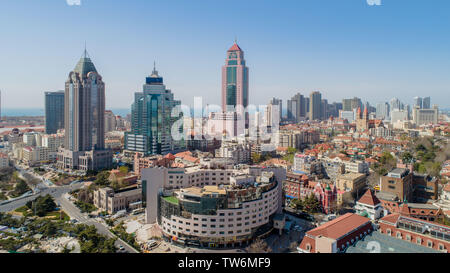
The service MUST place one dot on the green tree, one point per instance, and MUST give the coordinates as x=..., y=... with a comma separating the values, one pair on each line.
x=407, y=157
x=311, y=204
x=297, y=204
x=102, y=179
x=21, y=187
x=123, y=169
x=256, y=158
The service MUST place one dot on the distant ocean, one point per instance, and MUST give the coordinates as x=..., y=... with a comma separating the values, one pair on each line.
x=33, y=112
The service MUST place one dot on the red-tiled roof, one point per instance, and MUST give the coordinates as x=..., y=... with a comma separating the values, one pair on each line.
x=391, y=218
x=339, y=227
x=369, y=198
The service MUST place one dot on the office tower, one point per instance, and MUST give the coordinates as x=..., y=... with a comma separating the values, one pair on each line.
x=418, y=102
x=274, y=112
x=399, y=115
x=382, y=111
x=395, y=104
x=84, y=107
x=110, y=121
x=350, y=104
x=324, y=109
x=234, y=80
x=279, y=103
x=315, y=102
x=425, y=116
x=292, y=110
x=334, y=108
x=307, y=106
x=54, y=111
x=296, y=108
x=151, y=119
x=426, y=103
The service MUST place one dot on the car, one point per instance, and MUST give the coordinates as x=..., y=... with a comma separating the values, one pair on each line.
x=121, y=248
x=152, y=243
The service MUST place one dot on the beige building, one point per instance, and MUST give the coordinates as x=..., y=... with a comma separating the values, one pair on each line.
x=113, y=201
x=349, y=183
x=425, y=116
x=35, y=155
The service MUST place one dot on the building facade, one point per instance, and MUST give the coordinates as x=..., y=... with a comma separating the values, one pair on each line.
x=84, y=107
x=54, y=112
x=152, y=120
x=234, y=80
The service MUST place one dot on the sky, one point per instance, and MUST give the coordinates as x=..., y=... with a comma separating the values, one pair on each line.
x=342, y=48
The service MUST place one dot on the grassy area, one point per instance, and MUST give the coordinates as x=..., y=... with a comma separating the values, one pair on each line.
x=171, y=199
x=57, y=215
x=25, y=211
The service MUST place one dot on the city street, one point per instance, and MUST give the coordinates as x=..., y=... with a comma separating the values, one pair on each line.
x=75, y=213
x=59, y=193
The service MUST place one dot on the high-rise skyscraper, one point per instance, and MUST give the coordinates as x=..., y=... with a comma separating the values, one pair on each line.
x=274, y=110
x=234, y=80
x=54, y=111
x=426, y=103
x=296, y=108
x=382, y=111
x=315, y=105
x=351, y=104
x=324, y=109
x=418, y=102
x=151, y=119
x=395, y=104
x=84, y=107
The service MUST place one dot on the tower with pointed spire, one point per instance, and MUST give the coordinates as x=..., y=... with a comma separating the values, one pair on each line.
x=235, y=81
x=362, y=120
x=152, y=120
x=84, y=122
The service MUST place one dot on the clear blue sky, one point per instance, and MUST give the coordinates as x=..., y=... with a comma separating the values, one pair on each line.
x=342, y=48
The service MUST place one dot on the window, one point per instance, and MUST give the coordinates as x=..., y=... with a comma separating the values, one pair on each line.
x=430, y=244
x=399, y=235
x=419, y=241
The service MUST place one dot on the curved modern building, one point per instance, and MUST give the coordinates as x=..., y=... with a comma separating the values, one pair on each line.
x=213, y=207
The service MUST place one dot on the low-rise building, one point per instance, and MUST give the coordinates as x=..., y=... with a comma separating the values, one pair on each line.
x=113, y=201
x=369, y=206
x=416, y=231
x=337, y=235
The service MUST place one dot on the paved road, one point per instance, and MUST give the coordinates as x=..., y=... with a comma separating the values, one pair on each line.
x=58, y=193
x=75, y=213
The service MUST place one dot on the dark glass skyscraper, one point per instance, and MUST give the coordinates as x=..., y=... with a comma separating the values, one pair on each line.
x=54, y=111
x=152, y=120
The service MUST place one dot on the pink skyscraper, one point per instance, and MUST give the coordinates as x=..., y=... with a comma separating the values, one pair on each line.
x=234, y=80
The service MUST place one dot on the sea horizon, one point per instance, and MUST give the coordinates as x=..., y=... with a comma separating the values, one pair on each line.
x=40, y=112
